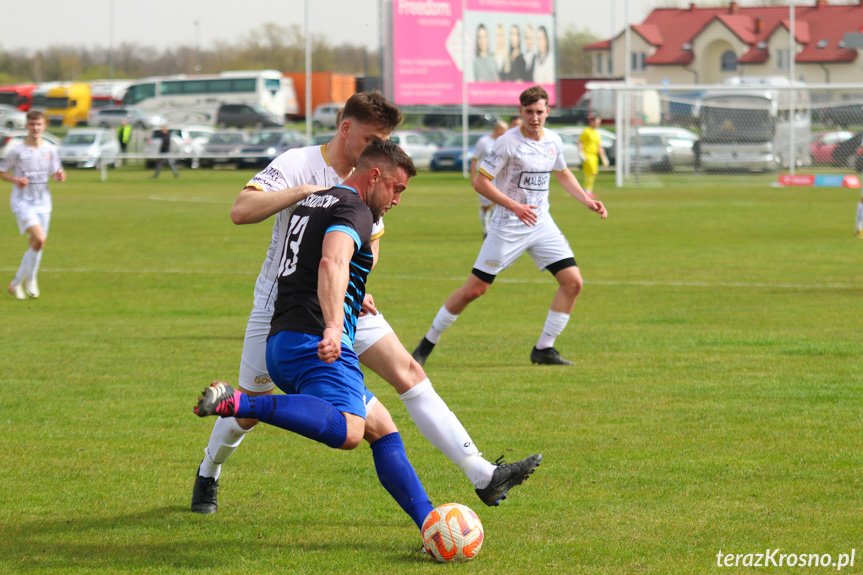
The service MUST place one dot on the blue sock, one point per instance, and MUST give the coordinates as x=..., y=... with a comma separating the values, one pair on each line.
x=306, y=415
x=399, y=478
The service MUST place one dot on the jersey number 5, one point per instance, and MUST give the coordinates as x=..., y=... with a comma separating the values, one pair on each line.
x=293, y=239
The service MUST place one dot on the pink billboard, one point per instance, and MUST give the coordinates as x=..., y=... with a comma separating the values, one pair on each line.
x=509, y=47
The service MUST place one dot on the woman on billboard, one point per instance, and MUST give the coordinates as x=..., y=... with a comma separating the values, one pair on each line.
x=543, y=67
x=484, y=67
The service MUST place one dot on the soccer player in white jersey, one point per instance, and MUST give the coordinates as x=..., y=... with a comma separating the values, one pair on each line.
x=28, y=167
x=482, y=148
x=516, y=177
x=367, y=116
x=858, y=224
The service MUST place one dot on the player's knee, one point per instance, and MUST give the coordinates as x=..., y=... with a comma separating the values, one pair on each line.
x=476, y=291
x=246, y=424
x=355, y=432
x=37, y=243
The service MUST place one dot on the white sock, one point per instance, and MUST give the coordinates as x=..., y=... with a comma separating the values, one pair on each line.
x=28, y=262
x=36, y=264
x=554, y=326
x=859, y=224
x=441, y=323
x=442, y=429
x=224, y=439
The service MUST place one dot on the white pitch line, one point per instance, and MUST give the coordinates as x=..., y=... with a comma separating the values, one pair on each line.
x=538, y=281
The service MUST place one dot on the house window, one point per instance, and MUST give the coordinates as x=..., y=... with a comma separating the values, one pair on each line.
x=783, y=59
x=599, y=63
x=729, y=61
x=638, y=61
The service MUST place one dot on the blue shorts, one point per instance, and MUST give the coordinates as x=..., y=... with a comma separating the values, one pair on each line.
x=292, y=360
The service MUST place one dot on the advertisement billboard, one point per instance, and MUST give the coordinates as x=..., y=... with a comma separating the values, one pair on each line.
x=507, y=46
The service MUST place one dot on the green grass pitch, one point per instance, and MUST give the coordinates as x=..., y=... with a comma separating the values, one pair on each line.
x=715, y=404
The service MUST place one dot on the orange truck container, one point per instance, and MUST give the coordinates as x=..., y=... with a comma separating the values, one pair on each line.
x=326, y=87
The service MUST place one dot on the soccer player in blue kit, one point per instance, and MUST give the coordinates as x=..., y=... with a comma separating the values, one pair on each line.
x=324, y=261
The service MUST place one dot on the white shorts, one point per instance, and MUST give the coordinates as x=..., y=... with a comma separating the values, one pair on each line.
x=27, y=217
x=253, y=364
x=544, y=242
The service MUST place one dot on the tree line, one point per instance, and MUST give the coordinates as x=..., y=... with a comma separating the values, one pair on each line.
x=274, y=47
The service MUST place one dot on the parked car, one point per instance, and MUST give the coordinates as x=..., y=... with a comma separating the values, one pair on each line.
x=822, y=146
x=571, y=151
x=681, y=140
x=325, y=115
x=223, y=147
x=113, y=117
x=265, y=145
x=12, y=118
x=651, y=152
x=10, y=139
x=323, y=138
x=416, y=146
x=86, y=148
x=607, y=140
x=246, y=116
x=845, y=153
x=449, y=155
x=187, y=140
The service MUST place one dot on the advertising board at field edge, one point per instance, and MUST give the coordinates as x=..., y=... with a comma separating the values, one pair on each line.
x=510, y=47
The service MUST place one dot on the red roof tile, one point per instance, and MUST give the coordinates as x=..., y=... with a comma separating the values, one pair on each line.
x=668, y=29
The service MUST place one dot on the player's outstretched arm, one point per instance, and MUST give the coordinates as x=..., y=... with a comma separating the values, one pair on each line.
x=254, y=205
x=484, y=187
x=574, y=189
x=333, y=272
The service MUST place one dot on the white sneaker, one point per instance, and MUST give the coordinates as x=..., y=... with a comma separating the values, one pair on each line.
x=31, y=288
x=16, y=291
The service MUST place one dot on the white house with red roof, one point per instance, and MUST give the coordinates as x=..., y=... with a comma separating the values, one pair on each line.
x=708, y=45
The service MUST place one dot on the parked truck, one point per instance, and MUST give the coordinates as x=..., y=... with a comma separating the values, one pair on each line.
x=18, y=96
x=326, y=87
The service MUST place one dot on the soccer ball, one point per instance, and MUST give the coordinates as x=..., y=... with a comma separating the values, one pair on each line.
x=452, y=533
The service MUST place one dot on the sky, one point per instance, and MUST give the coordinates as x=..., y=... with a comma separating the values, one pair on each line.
x=170, y=23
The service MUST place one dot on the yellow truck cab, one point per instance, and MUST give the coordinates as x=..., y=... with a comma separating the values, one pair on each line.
x=68, y=105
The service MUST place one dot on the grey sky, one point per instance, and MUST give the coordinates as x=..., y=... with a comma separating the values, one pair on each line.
x=166, y=23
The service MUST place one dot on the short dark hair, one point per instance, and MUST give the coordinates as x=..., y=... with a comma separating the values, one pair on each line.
x=386, y=155
x=533, y=95
x=373, y=108
x=35, y=115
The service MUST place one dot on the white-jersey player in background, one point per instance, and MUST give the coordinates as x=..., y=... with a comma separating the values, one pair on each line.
x=367, y=116
x=516, y=177
x=482, y=148
x=29, y=167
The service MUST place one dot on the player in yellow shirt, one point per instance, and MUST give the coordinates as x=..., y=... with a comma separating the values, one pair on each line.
x=590, y=144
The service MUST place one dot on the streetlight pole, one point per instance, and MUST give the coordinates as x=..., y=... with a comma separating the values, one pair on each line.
x=111, y=40
x=197, y=67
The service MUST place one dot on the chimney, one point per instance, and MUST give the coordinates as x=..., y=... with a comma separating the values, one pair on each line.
x=692, y=6
x=822, y=3
x=759, y=23
x=733, y=7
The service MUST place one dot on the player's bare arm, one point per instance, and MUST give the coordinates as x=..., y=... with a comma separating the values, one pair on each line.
x=524, y=212
x=574, y=189
x=253, y=205
x=20, y=182
x=333, y=272
x=60, y=175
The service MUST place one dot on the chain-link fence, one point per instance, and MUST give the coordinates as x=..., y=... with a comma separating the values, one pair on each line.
x=753, y=128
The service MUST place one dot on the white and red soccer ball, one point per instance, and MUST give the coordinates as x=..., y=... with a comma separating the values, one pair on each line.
x=452, y=533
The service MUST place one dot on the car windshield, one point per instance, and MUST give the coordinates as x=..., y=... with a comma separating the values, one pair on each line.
x=265, y=138
x=231, y=138
x=79, y=139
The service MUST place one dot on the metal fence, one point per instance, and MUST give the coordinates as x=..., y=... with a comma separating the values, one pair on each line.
x=753, y=128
